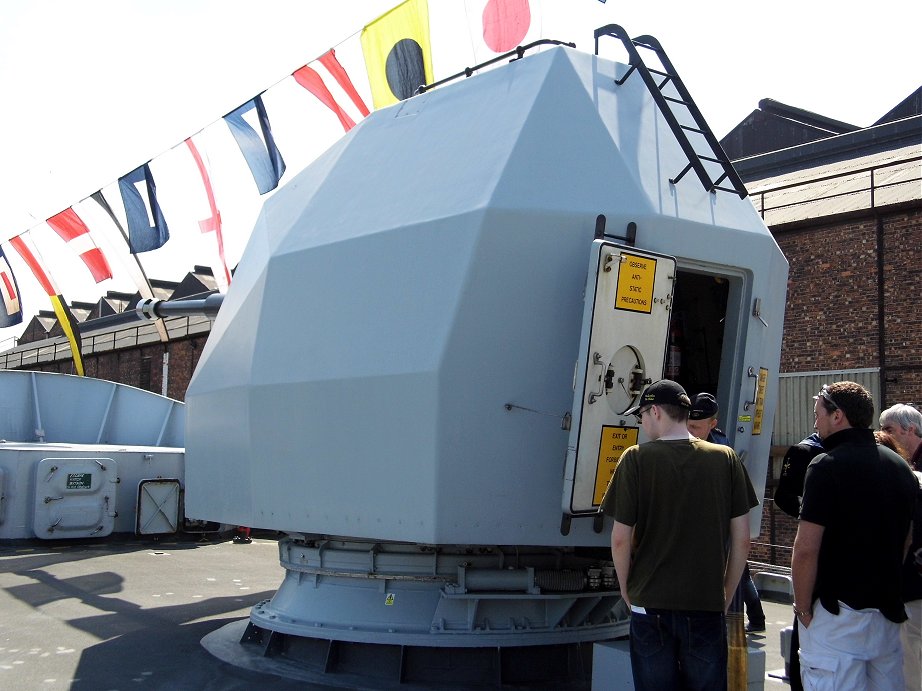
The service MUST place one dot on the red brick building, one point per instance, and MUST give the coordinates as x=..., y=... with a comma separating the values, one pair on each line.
x=157, y=357
x=845, y=206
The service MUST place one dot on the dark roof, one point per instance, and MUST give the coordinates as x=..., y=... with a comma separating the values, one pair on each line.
x=775, y=125
x=162, y=290
x=909, y=106
x=863, y=142
x=45, y=325
x=114, y=302
x=81, y=310
x=39, y=327
x=199, y=280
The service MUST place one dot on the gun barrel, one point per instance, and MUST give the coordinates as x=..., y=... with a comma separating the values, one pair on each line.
x=153, y=309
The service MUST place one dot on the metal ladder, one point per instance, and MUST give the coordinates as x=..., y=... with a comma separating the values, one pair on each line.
x=715, y=153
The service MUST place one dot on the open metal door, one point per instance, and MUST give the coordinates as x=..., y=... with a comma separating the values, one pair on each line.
x=622, y=349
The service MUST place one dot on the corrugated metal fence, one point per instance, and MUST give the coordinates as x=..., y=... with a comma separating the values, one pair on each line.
x=794, y=416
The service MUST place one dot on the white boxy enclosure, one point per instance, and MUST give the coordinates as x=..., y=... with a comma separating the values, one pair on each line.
x=86, y=458
x=421, y=368
x=396, y=357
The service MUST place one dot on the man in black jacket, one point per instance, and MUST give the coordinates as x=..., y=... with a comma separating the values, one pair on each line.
x=793, y=469
x=787, y=498
x=854, y=527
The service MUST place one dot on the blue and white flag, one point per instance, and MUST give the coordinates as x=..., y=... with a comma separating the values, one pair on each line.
x=261, y=153
x=147, y=229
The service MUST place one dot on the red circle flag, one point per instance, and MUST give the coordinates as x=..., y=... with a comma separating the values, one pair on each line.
x=505, y=23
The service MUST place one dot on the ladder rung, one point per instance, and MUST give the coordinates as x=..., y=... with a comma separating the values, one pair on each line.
x=683, y=99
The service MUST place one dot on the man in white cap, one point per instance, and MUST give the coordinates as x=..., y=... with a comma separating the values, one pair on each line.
x=679, y=542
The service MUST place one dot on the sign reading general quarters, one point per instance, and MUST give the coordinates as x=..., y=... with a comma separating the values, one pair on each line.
x=635, y=284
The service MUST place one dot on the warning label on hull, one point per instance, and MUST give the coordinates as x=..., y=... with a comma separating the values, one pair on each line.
x=635, y=283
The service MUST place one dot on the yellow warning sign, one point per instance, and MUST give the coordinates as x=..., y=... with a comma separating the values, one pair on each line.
x=613, y=443
x=389, y=599
x=760, y=401
x=635, y=283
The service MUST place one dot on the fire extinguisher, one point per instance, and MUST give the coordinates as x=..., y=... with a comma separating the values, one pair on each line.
x=674, y=352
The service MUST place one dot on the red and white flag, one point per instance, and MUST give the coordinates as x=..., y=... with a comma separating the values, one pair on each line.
x=25, y=247
x=11, y=312
x=312, y=80
x=213, y=222
x=500, y=26
x=75, y=233
x=331, y=62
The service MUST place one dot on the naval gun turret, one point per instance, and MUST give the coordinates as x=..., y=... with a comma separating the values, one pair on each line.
x=421, y=370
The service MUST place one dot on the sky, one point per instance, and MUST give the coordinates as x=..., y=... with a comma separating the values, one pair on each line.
x=95, y=88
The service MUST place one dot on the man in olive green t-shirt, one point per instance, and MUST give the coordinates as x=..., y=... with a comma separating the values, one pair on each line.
x=679, y=542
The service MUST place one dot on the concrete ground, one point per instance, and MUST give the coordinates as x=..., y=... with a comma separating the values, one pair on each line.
x=132, y=614
x=778, y=615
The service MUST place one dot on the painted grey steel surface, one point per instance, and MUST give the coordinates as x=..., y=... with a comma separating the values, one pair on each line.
x=25, y=468
x=396, y=354
x=62, y=439
x=623, y=347
x=412, y=595
x=49, y=407
x=159, y=507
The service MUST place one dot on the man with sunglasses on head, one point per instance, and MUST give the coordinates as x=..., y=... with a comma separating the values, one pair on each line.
x=848, y=553
x=679, y=542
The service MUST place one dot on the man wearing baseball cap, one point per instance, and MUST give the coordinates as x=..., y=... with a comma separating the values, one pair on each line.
x=679, y=542
x=702, y=423
x=702, y=419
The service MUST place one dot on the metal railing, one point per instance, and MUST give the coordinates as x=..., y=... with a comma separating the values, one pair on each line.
x=128, y=337
x=872, y=187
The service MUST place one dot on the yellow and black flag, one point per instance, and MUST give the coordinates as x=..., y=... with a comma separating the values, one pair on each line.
x=23, y=245
x=397, y=53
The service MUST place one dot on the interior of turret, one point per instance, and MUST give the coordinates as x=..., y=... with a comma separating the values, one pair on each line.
x=698, y=331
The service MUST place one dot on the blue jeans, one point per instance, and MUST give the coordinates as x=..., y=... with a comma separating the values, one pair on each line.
x=754, y=611
x=673, y=649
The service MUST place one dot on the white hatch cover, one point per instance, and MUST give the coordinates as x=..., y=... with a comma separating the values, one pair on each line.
x=74, y=497
x=622, y=349
x=158, y=507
